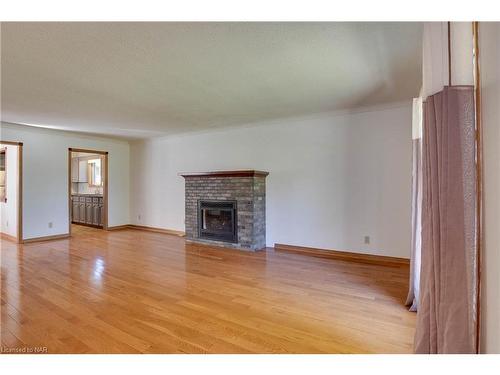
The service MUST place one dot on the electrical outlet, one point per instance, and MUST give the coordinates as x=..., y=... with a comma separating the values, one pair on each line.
x=139, y=217
x=367, y=240
x=7, y=223
x=50, y=224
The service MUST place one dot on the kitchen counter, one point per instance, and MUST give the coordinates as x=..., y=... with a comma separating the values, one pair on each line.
x=86, y=195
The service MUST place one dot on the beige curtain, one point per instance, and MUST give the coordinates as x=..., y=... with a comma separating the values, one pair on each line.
x=447, y=316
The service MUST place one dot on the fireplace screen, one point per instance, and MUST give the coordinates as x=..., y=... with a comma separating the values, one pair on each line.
x=217, y=220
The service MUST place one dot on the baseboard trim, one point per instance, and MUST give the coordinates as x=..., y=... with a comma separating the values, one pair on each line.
x=171, y=232
x=343, y=255
x=119, y=227
x=8, y=237
x=46, y=238
x=158, y=230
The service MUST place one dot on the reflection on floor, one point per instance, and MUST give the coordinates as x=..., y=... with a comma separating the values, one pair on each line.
x=77, y=229
x=131, y=291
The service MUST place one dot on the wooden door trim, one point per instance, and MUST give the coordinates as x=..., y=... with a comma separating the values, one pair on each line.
x=70, y=202
x=19, y=238
x=11, y=143
x=479, y=178
x=3, y=150
x=105, y=193
x=88, y=151
x=105, y=189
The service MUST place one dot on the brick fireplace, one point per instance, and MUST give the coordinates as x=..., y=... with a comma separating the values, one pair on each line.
x=226, y=208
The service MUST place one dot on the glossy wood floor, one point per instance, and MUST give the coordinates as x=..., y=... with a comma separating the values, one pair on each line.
x=132, y=291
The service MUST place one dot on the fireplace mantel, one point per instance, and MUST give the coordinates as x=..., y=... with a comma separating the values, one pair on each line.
x=239, y=173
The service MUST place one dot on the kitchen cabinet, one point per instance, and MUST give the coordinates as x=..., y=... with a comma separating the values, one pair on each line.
x=74, y=170
x=87, y=209
x=79, y=170
x=75, y=210
x=82, y=212
x=83, y=170
x=96, y=214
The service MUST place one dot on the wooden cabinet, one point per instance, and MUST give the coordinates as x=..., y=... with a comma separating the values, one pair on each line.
x=88, y=213
x=82, y=212
x=75, y=213
x=95, y=214
x=87, y=210
x=74, y=170
x=101, y=212
x=79, y=170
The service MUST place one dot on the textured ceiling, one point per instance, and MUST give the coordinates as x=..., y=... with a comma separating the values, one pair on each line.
x=145, y=79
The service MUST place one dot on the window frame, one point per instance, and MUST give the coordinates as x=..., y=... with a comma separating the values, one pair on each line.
x=90, y=172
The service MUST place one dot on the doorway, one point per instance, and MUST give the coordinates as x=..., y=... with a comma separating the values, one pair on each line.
x=87, y=188
x=11, y=188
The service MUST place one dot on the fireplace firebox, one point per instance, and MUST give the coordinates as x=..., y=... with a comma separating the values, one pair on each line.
x=217, y=220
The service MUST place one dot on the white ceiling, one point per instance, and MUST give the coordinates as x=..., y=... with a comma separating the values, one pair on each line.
x=145, y=79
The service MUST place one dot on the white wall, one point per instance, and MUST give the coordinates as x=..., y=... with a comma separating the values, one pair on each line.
x=8, y=210
x=333, y=179
x=489, y=36
x=435, y=56
x=45, y=177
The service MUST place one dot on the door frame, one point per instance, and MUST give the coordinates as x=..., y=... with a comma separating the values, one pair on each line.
x=105, y=154
x=19, y=145
x=479, y=178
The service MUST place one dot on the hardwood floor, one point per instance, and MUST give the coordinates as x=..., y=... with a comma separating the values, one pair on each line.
x=130, y=291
